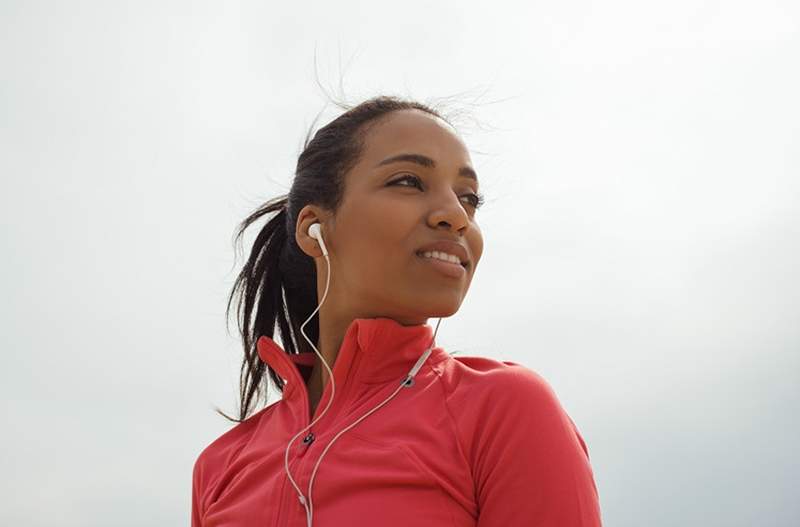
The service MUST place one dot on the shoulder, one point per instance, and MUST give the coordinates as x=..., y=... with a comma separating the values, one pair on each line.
x=489, y=399
x=485, y=378
x=526, y=456
x=223, y=450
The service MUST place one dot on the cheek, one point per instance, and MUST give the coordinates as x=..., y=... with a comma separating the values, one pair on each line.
x=375, y=262
x=476, y=246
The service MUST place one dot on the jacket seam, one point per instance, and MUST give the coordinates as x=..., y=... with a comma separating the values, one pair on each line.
x=456, y=431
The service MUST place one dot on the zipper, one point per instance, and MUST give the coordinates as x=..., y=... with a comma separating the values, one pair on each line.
x=332, y=411
x=299, y=463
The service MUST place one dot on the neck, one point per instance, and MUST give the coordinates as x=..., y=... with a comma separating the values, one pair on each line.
x=331, y=334
x=332, y=329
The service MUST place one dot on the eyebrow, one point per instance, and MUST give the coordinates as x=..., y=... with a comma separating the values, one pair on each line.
x=426, y=162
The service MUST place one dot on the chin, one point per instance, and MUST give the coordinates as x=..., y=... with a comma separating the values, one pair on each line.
x=443, y=311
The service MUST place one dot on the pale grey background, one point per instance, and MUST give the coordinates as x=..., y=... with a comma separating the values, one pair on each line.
x=640, y=164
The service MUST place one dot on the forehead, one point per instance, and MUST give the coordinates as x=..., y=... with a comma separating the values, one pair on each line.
x=413, y=131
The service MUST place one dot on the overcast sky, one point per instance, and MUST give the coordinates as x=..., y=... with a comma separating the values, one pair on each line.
x=640, y=162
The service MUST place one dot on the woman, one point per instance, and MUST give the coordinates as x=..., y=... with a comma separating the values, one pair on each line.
x=378, y=234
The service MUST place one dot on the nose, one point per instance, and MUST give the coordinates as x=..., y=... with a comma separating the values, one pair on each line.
x=450, y=213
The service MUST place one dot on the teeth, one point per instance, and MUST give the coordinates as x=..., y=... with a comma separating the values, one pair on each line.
x=442, y=256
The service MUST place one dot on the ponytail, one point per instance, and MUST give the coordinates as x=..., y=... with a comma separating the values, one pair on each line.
x=278, y=283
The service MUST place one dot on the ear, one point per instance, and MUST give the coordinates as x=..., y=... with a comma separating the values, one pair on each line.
x=309, y=215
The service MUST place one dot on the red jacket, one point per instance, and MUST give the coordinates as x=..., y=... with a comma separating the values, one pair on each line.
x=474, y=442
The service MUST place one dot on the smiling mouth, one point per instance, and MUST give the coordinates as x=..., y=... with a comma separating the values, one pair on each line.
x=464, y=265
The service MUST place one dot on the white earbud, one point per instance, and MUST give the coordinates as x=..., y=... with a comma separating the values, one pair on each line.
x=316, y=232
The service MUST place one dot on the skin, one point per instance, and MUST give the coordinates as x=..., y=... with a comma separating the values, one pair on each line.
x=382, y=221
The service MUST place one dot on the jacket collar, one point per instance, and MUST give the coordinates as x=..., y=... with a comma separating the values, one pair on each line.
x=374, y=350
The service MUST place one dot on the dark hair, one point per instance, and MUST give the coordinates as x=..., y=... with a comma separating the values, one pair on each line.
x=278, y=283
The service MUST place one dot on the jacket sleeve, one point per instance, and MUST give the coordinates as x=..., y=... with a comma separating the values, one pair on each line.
x=213, y=459
x=198, y=485
x=196, y=479
x=530, y=463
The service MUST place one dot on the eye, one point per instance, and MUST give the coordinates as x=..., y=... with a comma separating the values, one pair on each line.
x=409, y=177
x=476, y=200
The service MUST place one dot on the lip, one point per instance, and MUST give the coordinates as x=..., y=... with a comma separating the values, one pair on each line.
x=449, y=247
x=452, y=270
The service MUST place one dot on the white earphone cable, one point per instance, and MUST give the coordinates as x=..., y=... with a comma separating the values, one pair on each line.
x=314, y=231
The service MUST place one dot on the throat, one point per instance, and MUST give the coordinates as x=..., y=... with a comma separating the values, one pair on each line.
x=314, y=390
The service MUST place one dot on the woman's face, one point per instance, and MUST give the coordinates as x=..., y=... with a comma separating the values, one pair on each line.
x=391, y=210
